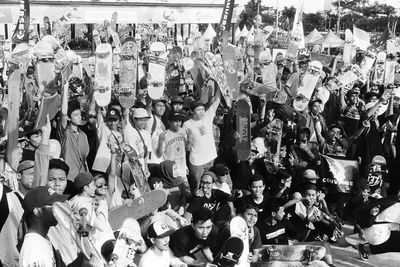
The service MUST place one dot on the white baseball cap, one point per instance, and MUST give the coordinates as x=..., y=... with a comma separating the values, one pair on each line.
x=140, y=113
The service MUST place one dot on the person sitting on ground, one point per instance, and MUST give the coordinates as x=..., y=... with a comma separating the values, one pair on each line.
x=159, y=254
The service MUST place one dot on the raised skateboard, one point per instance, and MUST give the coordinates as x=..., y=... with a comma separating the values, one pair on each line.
x=238, y=228
x=305, y=91
x=127, y=73
x=292, y=253
x=273, y=137
x=156, y=74
x=76, y=60
x=49, y=106
x=174, y=71
x=368, y=61
x=243, y=145
x=379, y=71
x=230, y=253
x=390, y=69
x=78, y=228
x=46, y=26
x=230, y=69
x=103, y=72
x=140, y=207
x=348, y=46
x=45, y=65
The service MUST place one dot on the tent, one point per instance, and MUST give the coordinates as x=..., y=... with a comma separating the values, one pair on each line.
x=331, y=40
x=313, y=37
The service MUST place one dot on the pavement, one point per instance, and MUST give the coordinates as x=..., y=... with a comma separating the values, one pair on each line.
x=347, y=256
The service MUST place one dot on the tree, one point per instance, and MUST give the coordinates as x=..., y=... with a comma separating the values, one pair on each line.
x=248, y=15
x=286, y=17
x=313, y=21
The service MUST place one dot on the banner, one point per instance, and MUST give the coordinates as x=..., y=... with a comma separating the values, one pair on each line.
x=361, y=38
x=338, y=173
x=297, y=29
x=21, y=33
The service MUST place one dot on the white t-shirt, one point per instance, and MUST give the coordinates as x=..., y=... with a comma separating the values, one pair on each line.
x=150, y=259
x=36, y=251
x=159, y=128
x=201, y=139
x=133, y=139
x=175, y=150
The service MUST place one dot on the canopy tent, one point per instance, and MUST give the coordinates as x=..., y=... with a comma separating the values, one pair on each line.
x=331, y=40
x=313, y=36
x=134, y=11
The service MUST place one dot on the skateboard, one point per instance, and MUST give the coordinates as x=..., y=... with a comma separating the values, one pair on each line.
x=355, y=239
x=45, y=65
x=77, y=226
x=323, y=94
x=273, y=138
x=291, y=52
x=20, y=57
x=243, y=145
x=127, y=74
x=103, y=72
x=215, y=69
x=390, y=69
x=46, y=26
x=349, y=77
x=347, y=49
x=368, y=61
x=292, y=253
x=174, y=71
x=230, y=69
x=140, y=207
x=156, y=74
x=76, y=60
x=49, y=106
x=96, y=37
x=230, y=253
x=267, y=73
x=238, y=228
x=379, y=71
x=128, y=239
x=305, y=91
x=14, y=95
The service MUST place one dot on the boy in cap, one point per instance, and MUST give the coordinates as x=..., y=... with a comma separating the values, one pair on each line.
x=201, y=140
x=223, y=181
x=155, y=127
x=159, y=254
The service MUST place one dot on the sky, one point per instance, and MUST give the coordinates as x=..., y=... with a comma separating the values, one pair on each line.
x=311, y=6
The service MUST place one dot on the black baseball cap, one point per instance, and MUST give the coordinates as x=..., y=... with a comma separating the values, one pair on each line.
x=40, y=196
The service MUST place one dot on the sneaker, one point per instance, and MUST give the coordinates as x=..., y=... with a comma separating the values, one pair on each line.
x=363, y=252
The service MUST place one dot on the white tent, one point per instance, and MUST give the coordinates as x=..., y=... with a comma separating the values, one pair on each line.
x=209, y=33
x=313, y=36
x=330, y=40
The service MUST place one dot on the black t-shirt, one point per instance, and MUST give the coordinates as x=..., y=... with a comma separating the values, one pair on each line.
x=217, y=198
x=273, y=234
x=243, y=201
x=183, y=241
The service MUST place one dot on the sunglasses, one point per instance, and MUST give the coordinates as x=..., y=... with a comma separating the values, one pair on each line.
x=99, y=186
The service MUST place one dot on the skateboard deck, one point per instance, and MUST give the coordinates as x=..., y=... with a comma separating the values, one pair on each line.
x=96, y=37
x=323, y=94
x=129, y=238
x=215, y=69
x=76, y=60
x=156, y=77
x=390, y=69
x=238, y=228
x=14, y=95
x=46, y=26
x=174, y=71
x=243, y=145
x=379, y=71
x=45, y=65
x=291, y=52
x=347, y=49
x=140, y=207
x=316, y=263
x=78, y=228
x=127, y=73
x=348, y=78
x=103, y=72
x=48, y=106
x=230, y=69
x=230, y=252
x=273, y=138
x=368, y=61
x=20, y=57
x=292, y=253
x=305, y=91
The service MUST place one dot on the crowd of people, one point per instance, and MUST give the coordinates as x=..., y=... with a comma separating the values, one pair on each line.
x=187, y=147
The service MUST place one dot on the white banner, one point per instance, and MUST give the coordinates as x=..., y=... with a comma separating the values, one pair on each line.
x=361, y=38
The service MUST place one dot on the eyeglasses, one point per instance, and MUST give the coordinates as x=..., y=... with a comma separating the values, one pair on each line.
x=206, y=183
x=101, y=185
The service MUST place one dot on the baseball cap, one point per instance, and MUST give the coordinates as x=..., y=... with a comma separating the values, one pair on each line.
x=113, y=113
x=176, y=116
x=378, y=160
x=158, y=230
x=353, y=91
x=220, y=169
x=40, y=196
x=82, y=179
x=177, y=99
x=155, y=101
x=25, y=165
x=140, y=113
x=265, y=56
x=196, y=104
x=310, y=175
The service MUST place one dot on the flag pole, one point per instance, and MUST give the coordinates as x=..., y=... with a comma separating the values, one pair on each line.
x=277, y=16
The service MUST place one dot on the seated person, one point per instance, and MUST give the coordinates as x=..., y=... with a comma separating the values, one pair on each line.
x=193, y=243
x=282, y=187
x=218, y=202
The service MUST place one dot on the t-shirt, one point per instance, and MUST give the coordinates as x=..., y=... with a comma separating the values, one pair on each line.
x=155, y=135
x=243, y=201
x=268, y=74
x=133, y=139
x=175, y=150
x=150, y=259
x=36, y=251
x=201, y=139
x=216, y=199
x=183, y=242
x=273, y=234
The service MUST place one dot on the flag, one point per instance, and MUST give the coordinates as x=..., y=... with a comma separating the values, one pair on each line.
x=297, y=29
x=381, y=42
x=361, y=38
x=21, y=33
x=339, y=173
